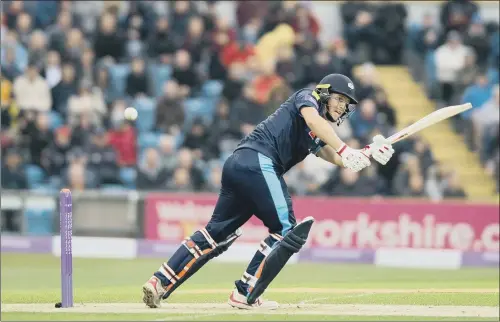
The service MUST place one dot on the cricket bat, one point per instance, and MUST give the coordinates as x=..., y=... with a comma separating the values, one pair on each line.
x=431, y=119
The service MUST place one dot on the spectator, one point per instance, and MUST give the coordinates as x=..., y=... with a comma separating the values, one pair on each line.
x=13, y=175
x=304, y=21
x=168, y=153
x=103, y=83
x=409, y=168
x=137, y=81
x=80, y=134
x=117, y=117
x=19, y=54
x=485, y=121
x=457, y=14
x=477, y=39
x=322, y=64
x=52, y=71
x=88, y=101
x=37, y=46
x=183, y=10
x=12, y=11
x=10, y=68
x=6, y=92
x=367, y=82
x=427, y=37
x=362, y=36
x=24, y=28
x=55, y=157
x=247, y=11
x=123, y=141
x=170, y=109
x=477, y=94
x=185, y=74
x=278, y=95
x=247, y=110
x=210, y=16
x=102, y=158
x=181, y=181
x=342, y=58
x=351, y=185
x=86, y=70
x=108, y=41
x=467, y=75
x=364, y=121
x=152, y=175
x=234, y=84
x=195, y=41
x=415, y=188
x=233, y=51
x=134, y=47
x=163, y=42
x=300, y=181
x=186, y=160
x=288, y=68
x=74, y=46
x=421, y=149
x=40, y=137
x=197, y=138
x=385, y=111
x=57, y=33
x=78, y=178
x=214, y=179
x=450, y=59
x=65, y=89
x=224, y=133
x=39, y=98
x=264, y=83
x=250, y=31
x=453, y=187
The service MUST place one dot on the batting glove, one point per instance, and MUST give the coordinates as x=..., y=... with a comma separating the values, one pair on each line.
x=352, y=159
x=381, y=149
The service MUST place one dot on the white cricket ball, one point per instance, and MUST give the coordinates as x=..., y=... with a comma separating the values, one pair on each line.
x=130, y=113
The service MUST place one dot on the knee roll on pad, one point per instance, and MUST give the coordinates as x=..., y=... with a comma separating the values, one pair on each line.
x=201, y=257
x=279, y=256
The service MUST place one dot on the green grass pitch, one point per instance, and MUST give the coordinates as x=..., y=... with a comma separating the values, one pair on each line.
x=107, y=289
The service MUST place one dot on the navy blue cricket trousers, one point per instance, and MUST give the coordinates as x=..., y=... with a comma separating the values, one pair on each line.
x=251, y=186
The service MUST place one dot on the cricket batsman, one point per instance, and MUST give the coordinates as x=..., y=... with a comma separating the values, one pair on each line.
x=253, y=184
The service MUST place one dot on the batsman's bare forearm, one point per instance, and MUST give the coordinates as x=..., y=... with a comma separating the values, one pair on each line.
x=329, y=154
x=321, y=128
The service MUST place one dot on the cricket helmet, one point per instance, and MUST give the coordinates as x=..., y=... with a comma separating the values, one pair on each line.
x=339, y=84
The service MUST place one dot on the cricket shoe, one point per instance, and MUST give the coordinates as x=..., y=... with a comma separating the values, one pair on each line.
x=239, y=301
x=153, y=292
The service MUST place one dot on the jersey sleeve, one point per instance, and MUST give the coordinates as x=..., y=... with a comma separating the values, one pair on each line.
x=305, y=99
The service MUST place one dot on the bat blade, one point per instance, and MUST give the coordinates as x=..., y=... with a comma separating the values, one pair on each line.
x=429, y=120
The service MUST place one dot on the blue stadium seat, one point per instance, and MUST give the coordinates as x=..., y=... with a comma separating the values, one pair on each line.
x=198, y=108
x=118, y=74
x=493, y=76
x=34, y=175
x=113, y=188
x=128, y=175
x=212, y=88
x=412, y=33
x=147, y=140
x=55, y=120
x=146, y=109
x=39, y=221
x=160, y=73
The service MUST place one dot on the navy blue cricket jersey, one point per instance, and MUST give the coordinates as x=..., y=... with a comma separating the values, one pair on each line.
x=284, y=136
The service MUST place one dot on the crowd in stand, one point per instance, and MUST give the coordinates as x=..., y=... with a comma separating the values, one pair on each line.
x=461, y=54
x=69, y=70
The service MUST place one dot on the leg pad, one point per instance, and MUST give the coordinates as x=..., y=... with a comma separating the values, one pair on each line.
x=279, y=256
